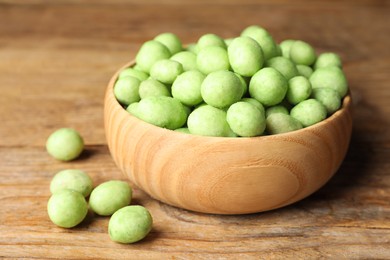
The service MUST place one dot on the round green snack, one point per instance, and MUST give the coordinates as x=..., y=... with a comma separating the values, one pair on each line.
x=166, y=71
x=304, y=70
x=132, y=108
x=110, y=196
x=330, y=77
x=245, y=56
x=268, y=86
x=166, y=112
x=149, y=53
x=328, y=59
x=255, y=103
x=210, y=39
x=277, y=109
x=140, y=75
x=329, y=98
x=245, y=119
x=212, y=58
x=299, y=89
x=207, y=120
x=221, y=89
x=284, y=66
x=171, y=41
x=302, y=53
x=264, y=39
x=72, y=179
x=282, y=123
x=130, y=224
x=192, y=48
x=285, y=46
x=65, y=144
x=186, y=87
x=184, y=130
x=187, y=60
x=152, y=87
x=309, y=112
x=67, y=208
x=126, y=90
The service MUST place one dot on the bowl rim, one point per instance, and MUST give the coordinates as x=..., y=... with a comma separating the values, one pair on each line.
x=345, y=106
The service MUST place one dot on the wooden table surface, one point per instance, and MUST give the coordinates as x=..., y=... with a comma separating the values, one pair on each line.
x=56, y=58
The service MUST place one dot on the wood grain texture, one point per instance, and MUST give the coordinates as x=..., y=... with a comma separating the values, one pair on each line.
x=56, y=58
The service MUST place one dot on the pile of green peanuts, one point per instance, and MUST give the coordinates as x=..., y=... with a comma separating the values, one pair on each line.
x=239, y=87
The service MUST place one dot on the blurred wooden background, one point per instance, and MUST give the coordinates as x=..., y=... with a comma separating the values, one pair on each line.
x=56, y=58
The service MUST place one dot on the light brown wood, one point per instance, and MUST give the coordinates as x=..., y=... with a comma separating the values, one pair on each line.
x=226, y=175
x=56, y=59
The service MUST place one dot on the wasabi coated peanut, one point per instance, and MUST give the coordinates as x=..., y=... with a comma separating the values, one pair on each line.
x=166, y=71
x=244, y=83
x=149, y=53
x=186, y=87
x=184, y=130
x=277, y=109
x=309, y=112
x=187, y=60
x=171, y=41
x=130, y=224
x=330, y=77
x=245, y=119
x=299, y=89
x=207, y=120
x=328, y=59
x=67, y=208
x=329, y=98
x=228, y=41
x=132, y=108
x=126, y=90
x=245, y=56
x=268, y=86
x=285, y=47
x=72, y=179
x=65, y=144
x=192, y=48
x=152, y=87
x=210, y=39
x=284, y=66
x=221, y=89
x=140, y=75
x=110, y=196
x=263, y=38
x=166, y=112
x=212, y=58
x=255, y=103
x=304, y=70
x=282, y=123
x=302, y=53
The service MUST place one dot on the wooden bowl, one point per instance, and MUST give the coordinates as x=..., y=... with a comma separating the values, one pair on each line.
x=225, y=175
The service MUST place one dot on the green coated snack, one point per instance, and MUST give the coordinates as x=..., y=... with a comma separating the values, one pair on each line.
x=246, y=119
x=329, y=98
x=228, y=41
x=192, y=48
x=302, y=53
x=264, y=39
x=130, y=224
x=245, y=56
x=309, y=112
x=210, y=39
x=212, y=58
x=268, y=86
x=207, y=120
x=110, y=196
x=132, y=108
x=284, y=66
x=282, y=123
x=186, y=87
x=244, y=83
x=304, y=70
x=72, y=179
x=299, y=89
x=65, y=144
x=126, y=90
x=221, y=89
x=149, y=53
x=152, y=87
x=328, y=59
x=277, y=109
x=330, y=77
x=171, y=41
x=67, y=208
x=140, y=75
x=166, y=71
x=184, y=130
x=285, y=46
x=187, y=60
x=255, y=103
x=166, y=112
